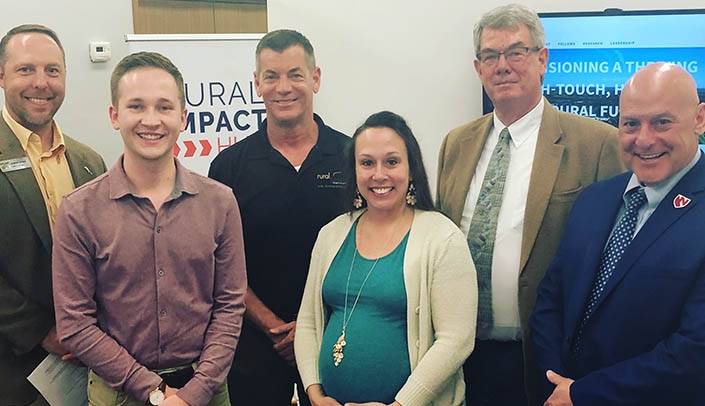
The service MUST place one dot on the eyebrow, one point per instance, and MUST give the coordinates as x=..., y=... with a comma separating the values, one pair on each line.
x=516, y=44
x=390, y=153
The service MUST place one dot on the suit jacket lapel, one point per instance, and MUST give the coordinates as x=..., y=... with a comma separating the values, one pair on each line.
x=80, y=172
x=544, y=171
x=657, y=225
x=471, y=146
x=25, y=185
x=600, y=227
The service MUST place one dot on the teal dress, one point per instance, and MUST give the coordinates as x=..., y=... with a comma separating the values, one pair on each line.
x=375, y=363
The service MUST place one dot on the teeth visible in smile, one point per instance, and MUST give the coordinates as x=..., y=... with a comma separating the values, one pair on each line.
x=649, y=156
x=381, y=190
x=150, y=136
x=37, y=100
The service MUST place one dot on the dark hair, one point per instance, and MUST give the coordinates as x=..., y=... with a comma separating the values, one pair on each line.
x=144, y=60
x=281, y=40
x=28, y=28
x=417, y=172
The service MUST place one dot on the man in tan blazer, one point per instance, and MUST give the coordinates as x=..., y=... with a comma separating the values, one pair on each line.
x=552, y=157
x=37, y=165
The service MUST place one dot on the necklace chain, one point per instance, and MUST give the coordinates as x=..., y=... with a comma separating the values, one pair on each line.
x=340, y=343
x=346, y=317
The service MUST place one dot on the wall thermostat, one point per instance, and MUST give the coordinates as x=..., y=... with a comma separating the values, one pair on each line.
x=99, y=51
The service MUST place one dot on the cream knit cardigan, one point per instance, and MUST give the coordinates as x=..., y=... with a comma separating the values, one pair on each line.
x=441, y=290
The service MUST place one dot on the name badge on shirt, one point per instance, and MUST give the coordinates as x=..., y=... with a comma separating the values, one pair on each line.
x=15, y=164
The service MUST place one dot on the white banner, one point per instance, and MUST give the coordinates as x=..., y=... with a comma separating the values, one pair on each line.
x=223, y=106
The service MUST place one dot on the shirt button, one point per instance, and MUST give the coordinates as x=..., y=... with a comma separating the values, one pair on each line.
x=162, y=313
x=159, y=229
x=160, y=272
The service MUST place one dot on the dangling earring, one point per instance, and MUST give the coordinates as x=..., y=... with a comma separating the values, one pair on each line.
x=357, y=201
x=411, y=194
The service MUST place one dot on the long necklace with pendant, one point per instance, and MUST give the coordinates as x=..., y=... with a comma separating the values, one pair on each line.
x=340, y=343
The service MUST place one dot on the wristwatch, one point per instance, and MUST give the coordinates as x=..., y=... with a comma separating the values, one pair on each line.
x=156, y=397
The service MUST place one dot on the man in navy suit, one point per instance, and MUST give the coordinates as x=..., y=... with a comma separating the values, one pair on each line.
x=625, y=323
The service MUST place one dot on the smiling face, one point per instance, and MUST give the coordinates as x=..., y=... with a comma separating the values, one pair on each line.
x=660, y=120
x=149, y=114
x=512, y=86
x=382, y=169
x=34, y=79
x=287, y=84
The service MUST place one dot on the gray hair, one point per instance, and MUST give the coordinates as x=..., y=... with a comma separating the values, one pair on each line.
x=511, y=16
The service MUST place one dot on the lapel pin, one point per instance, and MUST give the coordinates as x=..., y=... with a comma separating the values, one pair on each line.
x=680, y=201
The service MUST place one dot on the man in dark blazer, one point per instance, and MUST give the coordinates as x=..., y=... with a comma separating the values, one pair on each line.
x=633, y=333
x=553, y=156
x=32, y=76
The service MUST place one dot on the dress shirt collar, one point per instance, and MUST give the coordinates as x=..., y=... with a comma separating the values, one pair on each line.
x=655, y=193
x=522, y=129
x=120, y=185
x=23, y=133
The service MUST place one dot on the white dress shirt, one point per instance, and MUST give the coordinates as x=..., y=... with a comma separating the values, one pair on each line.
x=510, y=223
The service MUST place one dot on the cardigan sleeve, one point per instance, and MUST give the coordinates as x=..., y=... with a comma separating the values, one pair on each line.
x=307, y=341
x=451, y=305
x=312, y=316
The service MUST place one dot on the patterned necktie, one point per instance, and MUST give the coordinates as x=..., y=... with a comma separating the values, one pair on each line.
x=483, y=230
x=619, y=241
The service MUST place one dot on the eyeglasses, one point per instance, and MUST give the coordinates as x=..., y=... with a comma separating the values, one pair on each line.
x=515, y=54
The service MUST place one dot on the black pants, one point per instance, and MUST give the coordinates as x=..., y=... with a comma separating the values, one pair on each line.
x=494, y=374
x=275, y=389
x=259, y=377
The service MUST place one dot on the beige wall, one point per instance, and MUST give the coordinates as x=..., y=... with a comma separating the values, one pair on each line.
x=198, y=17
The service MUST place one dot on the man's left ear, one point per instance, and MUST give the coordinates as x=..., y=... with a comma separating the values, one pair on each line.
x=700, y=119
x=543, y=57
x=316, y=79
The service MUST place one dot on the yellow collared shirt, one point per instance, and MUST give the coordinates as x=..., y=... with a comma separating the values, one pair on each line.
x=50, y=168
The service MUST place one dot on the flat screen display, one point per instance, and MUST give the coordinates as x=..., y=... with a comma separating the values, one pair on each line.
x=592, y=54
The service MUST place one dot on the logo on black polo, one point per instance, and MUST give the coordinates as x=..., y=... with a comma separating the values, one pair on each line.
x=330, y=179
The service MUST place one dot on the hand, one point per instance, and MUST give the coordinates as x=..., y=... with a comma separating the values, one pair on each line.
x=395, y=403
x=51, y=343
x=283, y=338
x=325, y=401
x=174, y=400
x=169, y=391
x=561, y=394
x=318, y=398
x=71, y=359
x=171, y=398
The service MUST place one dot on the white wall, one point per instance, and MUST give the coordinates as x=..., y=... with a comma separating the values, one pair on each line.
x=84, y=114
x=409, y=56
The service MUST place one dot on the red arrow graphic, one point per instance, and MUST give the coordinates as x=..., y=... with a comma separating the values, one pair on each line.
x=190, y=149
x=176, y=150
x=206, y=147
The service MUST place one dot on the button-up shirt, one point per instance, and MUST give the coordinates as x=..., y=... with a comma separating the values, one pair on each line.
x=138, y=289
x=50, y=168
x=510, y=221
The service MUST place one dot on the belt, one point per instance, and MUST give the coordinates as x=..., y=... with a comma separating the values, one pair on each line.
x=177, y=377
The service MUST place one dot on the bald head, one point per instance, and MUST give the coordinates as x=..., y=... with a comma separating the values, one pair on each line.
x=665, y=79
x=660, y=119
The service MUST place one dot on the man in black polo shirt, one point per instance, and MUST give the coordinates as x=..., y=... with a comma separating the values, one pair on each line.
x=288, y=181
